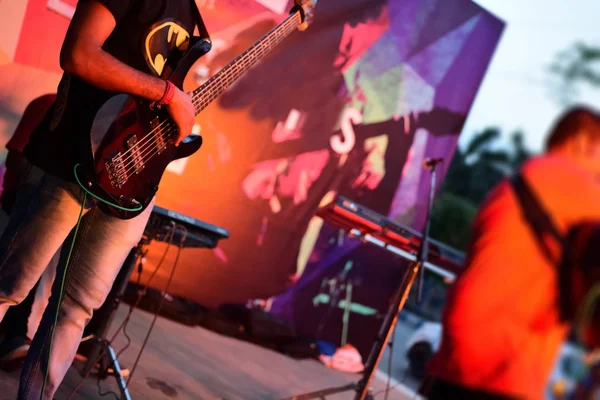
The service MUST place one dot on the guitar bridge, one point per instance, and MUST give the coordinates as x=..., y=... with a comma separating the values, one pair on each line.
x=135, y=154
x=116, y=170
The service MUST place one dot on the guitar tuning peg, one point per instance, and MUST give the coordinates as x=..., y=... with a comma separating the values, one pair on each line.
x=308, y=9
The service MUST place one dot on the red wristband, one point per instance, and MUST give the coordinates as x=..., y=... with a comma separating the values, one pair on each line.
x=167, y=96
x=169, y=93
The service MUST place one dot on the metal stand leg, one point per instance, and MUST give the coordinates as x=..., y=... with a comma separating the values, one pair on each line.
x=346, y=316
x=362, y=387
x=101, y=353
x=391, y=318
x=386, y=330
x=117, y=368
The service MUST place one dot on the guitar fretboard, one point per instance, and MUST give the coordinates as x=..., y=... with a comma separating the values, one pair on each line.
x=217, y=84
x=132, y=159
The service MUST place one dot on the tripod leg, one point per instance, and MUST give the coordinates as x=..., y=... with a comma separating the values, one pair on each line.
x=118, y=374
x=386, y=330
x=105, y=314
x=346, y=318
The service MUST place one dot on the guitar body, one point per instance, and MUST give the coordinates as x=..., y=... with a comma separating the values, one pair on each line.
x=131, y=146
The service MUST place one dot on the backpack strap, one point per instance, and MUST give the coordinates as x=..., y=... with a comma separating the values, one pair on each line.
x=536, y=215
x=202, y=31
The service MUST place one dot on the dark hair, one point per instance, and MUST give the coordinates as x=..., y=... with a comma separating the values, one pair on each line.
x=573, y=122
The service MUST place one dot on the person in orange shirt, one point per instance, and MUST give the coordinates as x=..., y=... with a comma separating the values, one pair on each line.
x=502, y=327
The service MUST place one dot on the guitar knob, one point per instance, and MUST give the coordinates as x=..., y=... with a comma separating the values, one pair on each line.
x=155, y=188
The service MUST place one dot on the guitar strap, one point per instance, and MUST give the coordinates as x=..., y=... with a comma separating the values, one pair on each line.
x=536, y=215
x=544, y=228
x=202, y=31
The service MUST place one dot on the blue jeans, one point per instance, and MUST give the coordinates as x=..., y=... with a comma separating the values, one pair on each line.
x=45, y=212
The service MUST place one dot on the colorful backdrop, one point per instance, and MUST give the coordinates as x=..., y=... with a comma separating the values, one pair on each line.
x=351, y=106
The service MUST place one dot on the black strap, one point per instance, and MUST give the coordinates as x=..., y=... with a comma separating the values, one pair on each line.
x=202, y=31
x=536, y=215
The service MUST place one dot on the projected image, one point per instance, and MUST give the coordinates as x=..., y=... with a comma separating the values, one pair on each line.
x=352, y=106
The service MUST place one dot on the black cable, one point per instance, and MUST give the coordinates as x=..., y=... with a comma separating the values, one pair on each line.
x=388, y=388
x=182, y=240
x=102, y=394
x=395, y=385
x=385, y=390
x=127, y=337
x=170, y=236
x=129, y=312
x=142, y=292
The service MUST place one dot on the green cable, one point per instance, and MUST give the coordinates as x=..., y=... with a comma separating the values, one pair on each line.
x=62, y=288
x=138, y=208
x=64, y=276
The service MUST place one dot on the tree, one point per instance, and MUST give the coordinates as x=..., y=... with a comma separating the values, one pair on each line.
x=577, y=66
x=451, y=220
x=473, y=172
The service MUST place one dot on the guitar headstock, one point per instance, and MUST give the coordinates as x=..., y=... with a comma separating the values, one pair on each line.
x=307, y=9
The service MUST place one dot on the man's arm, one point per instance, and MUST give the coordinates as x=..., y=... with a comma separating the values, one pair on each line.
x=82, y=55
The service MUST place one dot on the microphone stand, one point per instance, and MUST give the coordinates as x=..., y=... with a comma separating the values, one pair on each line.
x=391, y=318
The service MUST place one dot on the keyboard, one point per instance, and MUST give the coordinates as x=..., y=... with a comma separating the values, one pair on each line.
x=199, y=233
x=349, y=215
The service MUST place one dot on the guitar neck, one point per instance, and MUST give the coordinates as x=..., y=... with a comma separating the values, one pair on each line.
x=217, y=84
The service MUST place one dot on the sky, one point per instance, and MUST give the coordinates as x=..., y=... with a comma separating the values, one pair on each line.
x=515, y=93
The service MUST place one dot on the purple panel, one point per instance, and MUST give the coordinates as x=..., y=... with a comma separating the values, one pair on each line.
x=461, y=83
x=417, y=24
x=433, y=62
x=441, y=45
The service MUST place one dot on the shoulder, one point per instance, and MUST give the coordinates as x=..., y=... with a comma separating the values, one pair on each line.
x=569, y=191
x=44, y=101
x=551, y=167
x=40, y=105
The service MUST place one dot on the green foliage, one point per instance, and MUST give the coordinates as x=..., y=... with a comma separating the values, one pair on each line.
x=451, y=220
x=573, y=67
x=472, y=174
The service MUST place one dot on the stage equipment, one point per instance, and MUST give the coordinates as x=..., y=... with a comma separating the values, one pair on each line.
x=163, y=226
x=133, y=140
x=335, y=287
x=374, y=228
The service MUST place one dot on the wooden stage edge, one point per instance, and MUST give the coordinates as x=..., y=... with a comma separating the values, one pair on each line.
x=182, y=362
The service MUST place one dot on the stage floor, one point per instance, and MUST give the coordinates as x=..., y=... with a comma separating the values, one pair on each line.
x=183, y=362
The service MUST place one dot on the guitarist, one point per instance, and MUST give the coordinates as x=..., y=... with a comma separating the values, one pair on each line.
x=111, y=46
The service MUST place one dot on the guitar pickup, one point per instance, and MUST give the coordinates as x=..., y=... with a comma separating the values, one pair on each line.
x=158, y=134
x=136, y=154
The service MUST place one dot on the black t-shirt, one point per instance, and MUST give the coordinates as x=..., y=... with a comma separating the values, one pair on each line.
x=146, y=32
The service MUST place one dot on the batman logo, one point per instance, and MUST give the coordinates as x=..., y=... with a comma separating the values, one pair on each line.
x=161, y=41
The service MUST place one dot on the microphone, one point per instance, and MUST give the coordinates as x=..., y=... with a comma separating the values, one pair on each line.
x=431, y=162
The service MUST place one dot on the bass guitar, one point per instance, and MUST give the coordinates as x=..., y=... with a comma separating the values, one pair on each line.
x=132, y=144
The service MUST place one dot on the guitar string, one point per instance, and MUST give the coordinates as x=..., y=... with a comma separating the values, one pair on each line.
x=146, y=145
x=213, y=80
x=143, y=149
x=214, y=84
x=230, y=77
